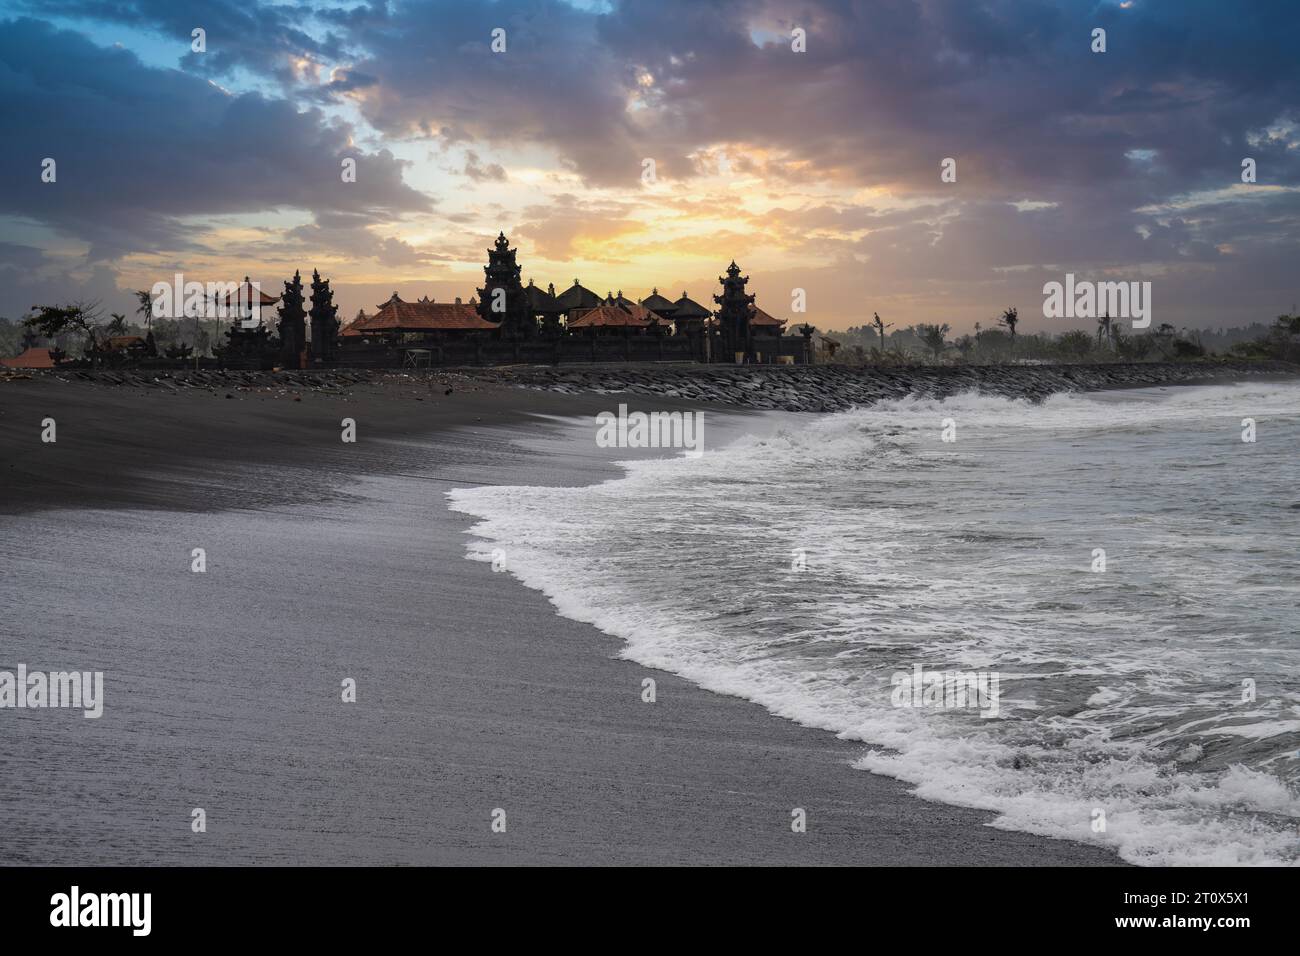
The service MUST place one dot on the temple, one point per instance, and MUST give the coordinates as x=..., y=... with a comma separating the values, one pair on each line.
x=502, y=300
x=508, y=322
x=324, y=321
x=396, y=322
x=293, y=325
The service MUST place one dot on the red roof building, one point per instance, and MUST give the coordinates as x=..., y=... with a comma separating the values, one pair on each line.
x=31, y=358
x=396, y=317
x=765, y=321
x=612, y=317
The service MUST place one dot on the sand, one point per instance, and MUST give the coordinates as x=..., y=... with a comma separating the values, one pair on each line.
x=329, y=561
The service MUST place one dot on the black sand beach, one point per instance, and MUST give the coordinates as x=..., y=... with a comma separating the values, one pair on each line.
x=328, y=561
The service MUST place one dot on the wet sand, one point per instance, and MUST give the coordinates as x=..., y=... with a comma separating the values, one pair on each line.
x=329, y=561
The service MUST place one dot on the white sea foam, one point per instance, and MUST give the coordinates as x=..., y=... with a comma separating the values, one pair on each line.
x=1121, y=691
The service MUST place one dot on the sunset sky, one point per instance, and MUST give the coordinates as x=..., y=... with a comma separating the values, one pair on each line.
x=817, y=170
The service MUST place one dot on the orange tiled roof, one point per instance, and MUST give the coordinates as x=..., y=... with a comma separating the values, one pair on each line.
x=639, y=311
x=762, y=318
x=610, y=316
x=398, y=316
x=31, y=358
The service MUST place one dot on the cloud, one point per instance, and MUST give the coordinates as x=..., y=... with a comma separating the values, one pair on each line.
x=1065, y=158
x=492, y=172
x=349, y=236
x=266, y=38
x=142, y=153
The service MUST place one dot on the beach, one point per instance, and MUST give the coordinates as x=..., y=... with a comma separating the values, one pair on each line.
x=328, y=561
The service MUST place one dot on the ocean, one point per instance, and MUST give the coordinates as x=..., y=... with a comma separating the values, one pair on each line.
x=1122, y=564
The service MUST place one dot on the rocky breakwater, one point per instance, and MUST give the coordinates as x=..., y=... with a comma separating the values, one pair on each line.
x=828, y=388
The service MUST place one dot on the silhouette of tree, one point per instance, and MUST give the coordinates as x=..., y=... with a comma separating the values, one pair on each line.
x=932, y=337
x=880, y=327
x=145, y=308
x=1010, y=318
x=52, y=321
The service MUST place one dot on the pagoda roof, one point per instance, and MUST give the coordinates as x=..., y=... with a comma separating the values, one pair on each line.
x=759, y=317
x=398, y=316
x=690, y=309
x=611, y=316
x=539, y=300
x=577, y=296
x=244, y=293
x=657, y=303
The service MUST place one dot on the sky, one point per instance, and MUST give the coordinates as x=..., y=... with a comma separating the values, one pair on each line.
x=646, y=144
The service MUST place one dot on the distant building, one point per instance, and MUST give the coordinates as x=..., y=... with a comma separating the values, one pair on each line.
x=576, y=298
x=128, y=344
x=610, y=319
x=31, y=358
x=239, y=303
x=399, y=321
x=503, y=301
x=689, y=315
x=768, y=323
x=545, y=308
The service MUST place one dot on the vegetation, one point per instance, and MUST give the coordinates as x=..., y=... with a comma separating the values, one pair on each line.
x=1111, y=341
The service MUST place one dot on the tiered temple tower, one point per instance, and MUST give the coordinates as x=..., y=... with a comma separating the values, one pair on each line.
x=509, y=307
x=735, y=309
x=293, y=324
x=324, y=320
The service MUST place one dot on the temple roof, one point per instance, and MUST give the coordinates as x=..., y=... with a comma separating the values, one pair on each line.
x=540, y=300
x=690, y=309
x=611, y=316
x=657, y=303
x=618, y=299
x=244, y=293
x=759, y=317
x=577, y=296
x=638, y=311
x=398, y=316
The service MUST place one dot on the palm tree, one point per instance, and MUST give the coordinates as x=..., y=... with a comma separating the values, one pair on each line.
x=880, y=327
x=146, y=307
x=1009, y=319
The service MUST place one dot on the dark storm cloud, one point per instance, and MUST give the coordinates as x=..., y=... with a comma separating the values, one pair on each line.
x=885, y=90
x=556, y=83
x=1010, y=89
x=263, y=37
x=139, y=149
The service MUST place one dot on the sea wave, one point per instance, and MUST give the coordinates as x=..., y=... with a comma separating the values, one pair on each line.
x=1161, y=696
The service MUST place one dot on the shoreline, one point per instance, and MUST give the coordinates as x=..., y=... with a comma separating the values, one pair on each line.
x=474, y=692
